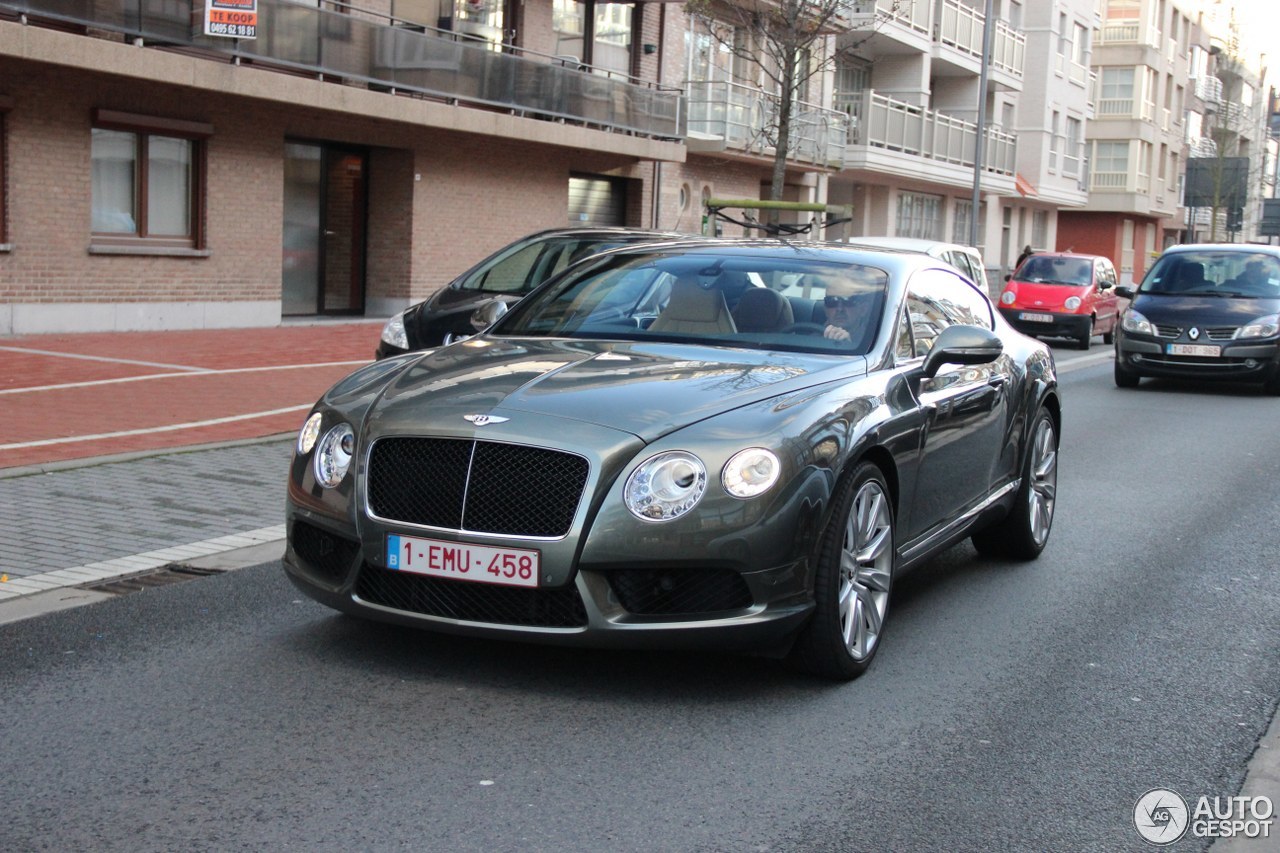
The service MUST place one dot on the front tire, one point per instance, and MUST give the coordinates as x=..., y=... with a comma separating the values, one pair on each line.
x=852, y=581
x=1125, y=378
x=1086, y=338
x=1024, y=532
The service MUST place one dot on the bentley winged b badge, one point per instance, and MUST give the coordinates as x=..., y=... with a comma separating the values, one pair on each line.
x=482, y=420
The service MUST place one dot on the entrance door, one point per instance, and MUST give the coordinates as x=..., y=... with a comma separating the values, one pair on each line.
x=323, y=257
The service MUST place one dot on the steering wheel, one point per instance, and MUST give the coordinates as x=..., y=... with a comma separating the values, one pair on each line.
x=805, y=329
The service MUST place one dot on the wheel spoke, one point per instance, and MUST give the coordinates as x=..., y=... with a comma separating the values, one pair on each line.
x=866, y=565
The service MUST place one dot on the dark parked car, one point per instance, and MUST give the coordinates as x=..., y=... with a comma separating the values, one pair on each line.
x=506, y=275
x=651, y=450
x=1204, y=312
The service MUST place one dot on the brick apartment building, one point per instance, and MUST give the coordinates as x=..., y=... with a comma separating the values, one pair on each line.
x=353, y=159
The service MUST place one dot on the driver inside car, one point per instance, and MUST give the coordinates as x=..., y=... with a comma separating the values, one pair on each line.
x=845, y=321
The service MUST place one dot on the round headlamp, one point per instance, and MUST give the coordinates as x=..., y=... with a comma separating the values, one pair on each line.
x=750, y=472
x=666, y=486
x=1072, y=303
x=333, y=455
x=310, y=432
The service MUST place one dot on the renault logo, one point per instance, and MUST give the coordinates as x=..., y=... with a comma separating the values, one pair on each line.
x=485, y=420
x=1194, y=333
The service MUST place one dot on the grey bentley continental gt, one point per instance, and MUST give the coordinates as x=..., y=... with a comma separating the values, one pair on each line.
x=713, y=444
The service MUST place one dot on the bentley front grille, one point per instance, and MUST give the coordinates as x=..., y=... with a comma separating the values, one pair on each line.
x=476, y=486
x=472, y=602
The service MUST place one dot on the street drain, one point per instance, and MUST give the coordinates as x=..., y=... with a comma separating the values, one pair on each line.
x=163, y=576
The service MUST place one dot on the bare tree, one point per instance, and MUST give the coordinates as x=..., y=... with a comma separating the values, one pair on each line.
x=788, y=43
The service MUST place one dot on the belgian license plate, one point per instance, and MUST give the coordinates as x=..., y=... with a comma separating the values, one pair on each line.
x=1193, y=349
x=1029, y=317
x=463, y=561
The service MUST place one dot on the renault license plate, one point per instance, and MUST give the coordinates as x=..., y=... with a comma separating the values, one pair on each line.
x=1030, y=317
x=1193, y=349
x=463, y=561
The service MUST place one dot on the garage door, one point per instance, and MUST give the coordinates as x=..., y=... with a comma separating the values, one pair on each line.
x=597, y=201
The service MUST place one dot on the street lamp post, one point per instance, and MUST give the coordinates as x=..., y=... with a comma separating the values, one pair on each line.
x=979, y=146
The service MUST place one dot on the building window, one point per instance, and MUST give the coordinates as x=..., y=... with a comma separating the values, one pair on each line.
x=1116, y=92
x=594, y=33
x=1072, y=152
x=919, y=215
x=147, y=181
x=1040, y=229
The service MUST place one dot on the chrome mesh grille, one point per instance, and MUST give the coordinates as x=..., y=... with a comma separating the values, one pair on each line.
x=476, y=486
x=472, y=602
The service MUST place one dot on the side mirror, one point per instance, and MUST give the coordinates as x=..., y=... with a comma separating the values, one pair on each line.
x=1104, y=285
x=962, y=345
x=487, y=314
x=1008, y=276
x=1124, y=290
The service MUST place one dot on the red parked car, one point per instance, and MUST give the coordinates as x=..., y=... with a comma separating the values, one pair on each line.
x=1062, y=294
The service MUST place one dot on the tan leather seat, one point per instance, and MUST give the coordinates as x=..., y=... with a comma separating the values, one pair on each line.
x=694, y=310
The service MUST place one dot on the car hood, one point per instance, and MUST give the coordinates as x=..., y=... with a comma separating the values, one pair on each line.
x=1203, y=310
x=645, y=389
x=1039, y=295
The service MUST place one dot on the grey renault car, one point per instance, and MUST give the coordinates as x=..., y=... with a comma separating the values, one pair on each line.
x=1205, y=312
x=657, y=448
x=506, y=275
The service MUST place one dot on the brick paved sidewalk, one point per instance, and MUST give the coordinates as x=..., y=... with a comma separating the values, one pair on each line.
x=84, y=396
x=126, y=452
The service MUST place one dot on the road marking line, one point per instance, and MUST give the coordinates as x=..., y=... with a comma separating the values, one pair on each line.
x=22, y=445
x=188, y=372
x=84, y=357
x=1085, y=361
x=135, y=564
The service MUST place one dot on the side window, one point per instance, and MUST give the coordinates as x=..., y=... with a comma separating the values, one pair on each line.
x=904, y=349
x=147, y=181
x=509, y=273
x=950, y=298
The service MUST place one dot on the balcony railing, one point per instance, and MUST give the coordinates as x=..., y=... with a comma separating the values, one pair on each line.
x=882, y=122
x=912, y=14
x=353, y=45
x=961, y=27
x=746, y=118
x=1130, y=32
x=1120, y=182
x=1209, y=89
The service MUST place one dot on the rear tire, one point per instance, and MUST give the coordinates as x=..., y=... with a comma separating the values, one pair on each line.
x=852, y=581
x=1109, y=336
x=1125, y=378
x=1023, y=533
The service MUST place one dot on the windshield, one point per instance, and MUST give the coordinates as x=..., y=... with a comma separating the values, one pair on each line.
x=524, y=265
x=1045, y=269
x=736, y=298
x=1217, y=272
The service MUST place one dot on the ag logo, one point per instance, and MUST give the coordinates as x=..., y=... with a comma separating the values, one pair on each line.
x=1160, y=816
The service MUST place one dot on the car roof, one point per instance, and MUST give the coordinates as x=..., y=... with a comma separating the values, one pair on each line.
x=599, y=231
x=1245, y=248
x=1067, y=255
x=889, y=259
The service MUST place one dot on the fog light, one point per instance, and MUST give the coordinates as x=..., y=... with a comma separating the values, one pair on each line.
x=1251, y=363
x=1136, y=357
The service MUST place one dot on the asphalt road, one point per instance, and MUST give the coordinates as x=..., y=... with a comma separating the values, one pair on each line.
x=1012, y=707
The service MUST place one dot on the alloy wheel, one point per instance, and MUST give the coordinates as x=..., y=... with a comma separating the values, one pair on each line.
x=1044, y=481
x=866, y=568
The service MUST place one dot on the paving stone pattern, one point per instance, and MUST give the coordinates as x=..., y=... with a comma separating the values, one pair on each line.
x=68, y=518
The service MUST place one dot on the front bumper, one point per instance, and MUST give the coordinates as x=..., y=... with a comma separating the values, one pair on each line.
x=1238, y=361
x=765, y=607
x=1049, y=323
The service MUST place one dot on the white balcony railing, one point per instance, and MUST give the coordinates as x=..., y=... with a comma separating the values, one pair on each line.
x=1008, y=49
x=912, y=14
x=882, y=122
x=1209, y=89
x=745, y=119
x=961, y=27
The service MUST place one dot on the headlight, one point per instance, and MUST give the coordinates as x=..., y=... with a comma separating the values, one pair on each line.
x=1135, y=322
x=1008, y=297
x=333, y=455
x=394, y=334
x=1072, y=303
x=310, y=432
x=750, y=472
x=1263, y=327
x=666, y=486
